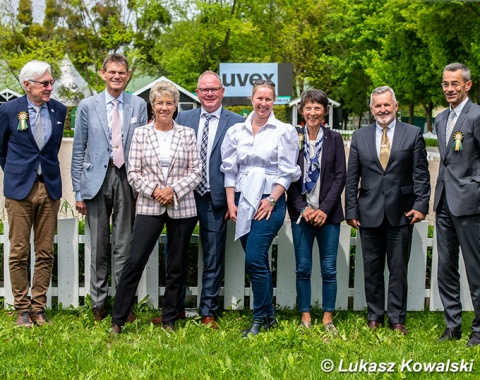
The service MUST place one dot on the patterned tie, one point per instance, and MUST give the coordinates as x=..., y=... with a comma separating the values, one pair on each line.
x=38, y=131
x=450, y=125
x=384, y=149
x=202, y=186
x=118, y=157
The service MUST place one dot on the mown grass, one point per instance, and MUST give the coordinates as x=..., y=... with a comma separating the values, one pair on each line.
x=77, y=348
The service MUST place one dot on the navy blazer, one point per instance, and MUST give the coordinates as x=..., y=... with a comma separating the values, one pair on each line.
x=371, y=193
x=191, y=118
x=20, y=155
x=332, y=179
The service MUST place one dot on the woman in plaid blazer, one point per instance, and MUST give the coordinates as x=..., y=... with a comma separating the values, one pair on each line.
x=164, y=168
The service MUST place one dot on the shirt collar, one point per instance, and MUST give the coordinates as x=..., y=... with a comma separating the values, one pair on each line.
x=32, y=106
x=215, y=113
x=109, y=98
x=390, y=126
x=458, y=109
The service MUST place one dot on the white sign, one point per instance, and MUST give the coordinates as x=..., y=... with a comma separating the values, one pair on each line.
x=239, y=78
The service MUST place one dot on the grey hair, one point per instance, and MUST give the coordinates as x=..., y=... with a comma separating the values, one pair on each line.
x=164, y=87
x=33, y=70
x=209, y=72
x=459, y=66
x=382, y=90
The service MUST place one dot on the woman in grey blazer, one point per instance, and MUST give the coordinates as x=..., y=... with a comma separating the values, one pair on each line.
x=164, y=169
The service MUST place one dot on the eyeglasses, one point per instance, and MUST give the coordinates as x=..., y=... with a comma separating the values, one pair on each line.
x=213, y=90
x=44, y=83
x=260, y=82
x=112, y=73
x=448, y=84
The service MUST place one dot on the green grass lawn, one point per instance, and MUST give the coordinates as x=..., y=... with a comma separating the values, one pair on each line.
x=76, y=348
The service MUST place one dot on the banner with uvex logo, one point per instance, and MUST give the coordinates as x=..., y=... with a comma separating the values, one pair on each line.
x=239, y=78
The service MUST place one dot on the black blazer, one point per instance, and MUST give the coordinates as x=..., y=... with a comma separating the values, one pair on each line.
x=332, y=179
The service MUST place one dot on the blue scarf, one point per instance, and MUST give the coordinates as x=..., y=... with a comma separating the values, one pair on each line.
x=313, y=163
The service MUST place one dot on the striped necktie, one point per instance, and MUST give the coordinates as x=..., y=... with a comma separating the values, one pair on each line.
x=202, y=187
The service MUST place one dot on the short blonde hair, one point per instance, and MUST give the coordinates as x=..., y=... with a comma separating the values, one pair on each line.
x=164, y=88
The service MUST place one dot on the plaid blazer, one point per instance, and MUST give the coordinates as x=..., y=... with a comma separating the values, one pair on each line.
x=145, y=171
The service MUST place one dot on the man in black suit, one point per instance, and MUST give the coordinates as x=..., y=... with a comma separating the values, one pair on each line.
x=457, y=200
x=31, y=131
x=389, y=160
x=210, y=194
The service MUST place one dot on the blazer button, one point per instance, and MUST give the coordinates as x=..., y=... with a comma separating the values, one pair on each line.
x=104, y=166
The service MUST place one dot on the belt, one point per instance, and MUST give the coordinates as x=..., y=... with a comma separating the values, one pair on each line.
x=39, y=178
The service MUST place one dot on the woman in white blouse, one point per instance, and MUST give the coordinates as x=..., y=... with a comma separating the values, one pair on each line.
x=259, y=161
x=164, y=168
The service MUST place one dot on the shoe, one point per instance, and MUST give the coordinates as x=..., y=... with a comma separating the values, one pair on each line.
x=115, y=329
x=158, y=320
x=374, y=324
x=40, y=319
x=99, y=314
x=131, y=317
x=255, y=327
x=168, y=328
x=330, y=328
x=270, y=322
x=209, y=321
x=398, y=327
x=450, y=334
x=24, y=320
x=305, y=325
x=474, y=339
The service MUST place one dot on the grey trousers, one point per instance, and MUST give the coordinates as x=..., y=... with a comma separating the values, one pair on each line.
x=114, y=200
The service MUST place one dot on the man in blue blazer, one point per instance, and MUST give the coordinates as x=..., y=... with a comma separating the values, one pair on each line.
x=387, y=191
x=31, y=131
x=99, y=172
x=210, y=197
x=457, y=200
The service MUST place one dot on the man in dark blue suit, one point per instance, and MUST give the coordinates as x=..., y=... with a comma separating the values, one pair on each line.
x=210, y=194
x=31, y=131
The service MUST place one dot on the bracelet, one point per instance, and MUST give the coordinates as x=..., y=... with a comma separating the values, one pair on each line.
x=272, y=200
x=302, y=210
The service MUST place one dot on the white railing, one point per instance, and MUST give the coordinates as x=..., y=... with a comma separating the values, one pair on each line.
x=69, y=290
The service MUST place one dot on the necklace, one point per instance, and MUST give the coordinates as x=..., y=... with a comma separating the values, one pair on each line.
x=258, y=125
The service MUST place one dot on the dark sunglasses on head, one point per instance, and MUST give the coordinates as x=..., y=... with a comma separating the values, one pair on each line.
x=259, y=82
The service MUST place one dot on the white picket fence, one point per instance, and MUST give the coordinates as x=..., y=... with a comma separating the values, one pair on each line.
x=69, y=290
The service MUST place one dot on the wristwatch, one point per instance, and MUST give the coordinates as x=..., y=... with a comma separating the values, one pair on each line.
x=272, y=200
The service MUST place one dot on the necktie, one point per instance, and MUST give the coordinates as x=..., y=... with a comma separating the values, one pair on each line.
x=202, y=187
x=118, y=157
x=38, y=131
x=384, y=149
x=450, y=125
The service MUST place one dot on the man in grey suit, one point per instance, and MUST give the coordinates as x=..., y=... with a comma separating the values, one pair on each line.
x=457, y=200
x=210, y=194
x=389, y=160
x=103, y=131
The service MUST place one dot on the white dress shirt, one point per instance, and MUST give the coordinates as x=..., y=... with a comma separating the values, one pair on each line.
x=255, y=164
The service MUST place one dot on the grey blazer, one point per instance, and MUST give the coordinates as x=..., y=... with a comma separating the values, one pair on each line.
x=191, y=119
x=91, y=144
x=372, y=193
x=459, y=171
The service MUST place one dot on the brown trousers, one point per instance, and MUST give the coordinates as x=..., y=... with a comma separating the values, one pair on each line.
x=41, y=212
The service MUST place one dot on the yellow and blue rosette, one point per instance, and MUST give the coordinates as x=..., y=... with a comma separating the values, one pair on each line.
x=457, y=141
x=22, y=121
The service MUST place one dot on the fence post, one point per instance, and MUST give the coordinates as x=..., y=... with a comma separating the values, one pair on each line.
x=68, y=262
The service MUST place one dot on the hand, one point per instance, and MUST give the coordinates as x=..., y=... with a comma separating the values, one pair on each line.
x=163, y=196
x=355, y=223
x=319, y=218
x=415, y=216
x=81, y=207
x=264, y=210
x=232, y=212
x=227, y=215
x=308, y=214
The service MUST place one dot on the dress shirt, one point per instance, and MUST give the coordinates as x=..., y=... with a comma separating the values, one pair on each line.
x=379, y=134
x=164, y=142
x=212, y=131
x=458, y=110
x=45, y=116
x=108, y=99
x=255, y=164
